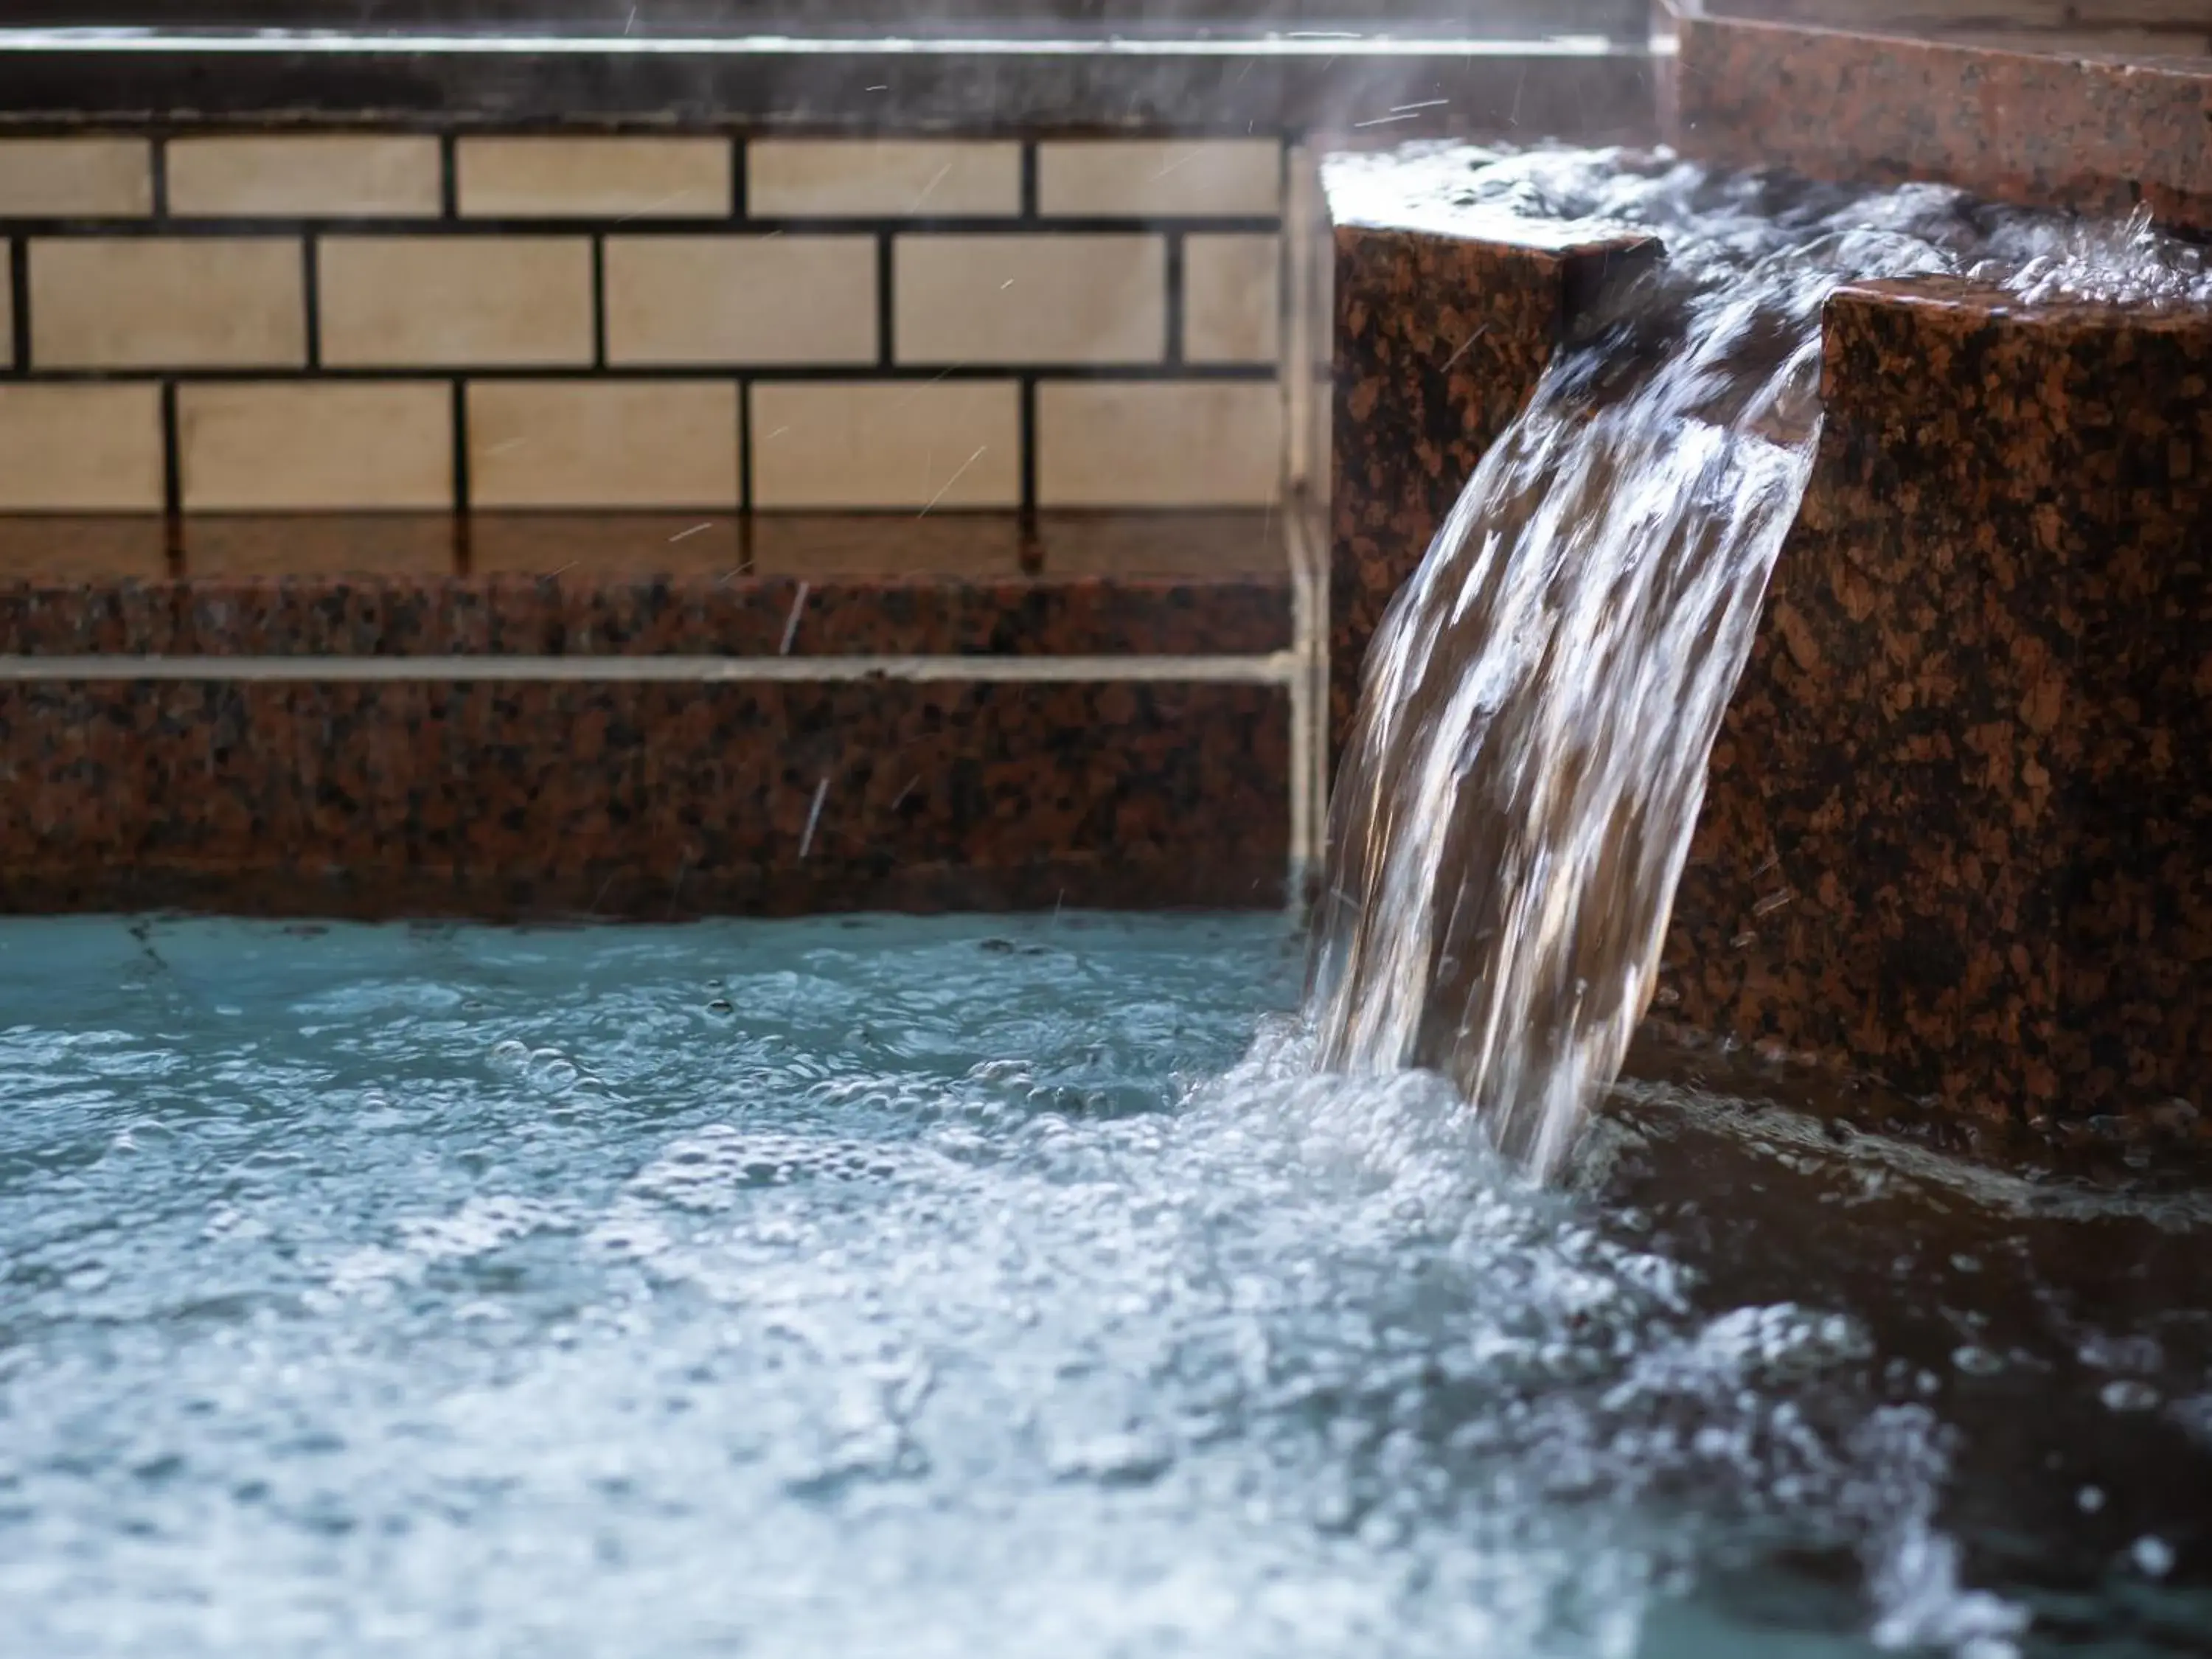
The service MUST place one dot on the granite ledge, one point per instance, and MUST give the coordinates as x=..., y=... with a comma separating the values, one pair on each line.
x=553, y=799
x=1590, y=87
x=2048, y=128
x=1175, y=584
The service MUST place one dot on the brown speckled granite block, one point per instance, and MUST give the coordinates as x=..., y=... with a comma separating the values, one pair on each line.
x=650, y=801
x=627, y=585
x=1958, y=826
x=2050, y=128
x=557, y=788
x=1439, y=340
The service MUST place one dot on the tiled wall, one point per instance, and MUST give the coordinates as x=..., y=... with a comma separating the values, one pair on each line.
x=360, y=321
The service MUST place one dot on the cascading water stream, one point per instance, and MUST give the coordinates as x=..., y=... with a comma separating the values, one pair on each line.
x=1541, y=702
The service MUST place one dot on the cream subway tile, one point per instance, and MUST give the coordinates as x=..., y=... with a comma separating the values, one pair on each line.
x=1176, y=443
x=456, y=301
x=940, y=177
x=168, y=302
x=1148, y=178
x=305, y=175
x=603, y=444
x=921, y=445
x=81, y=448
x=1030, y=299
x=87, y=178
x=569, y=177
x=1231, y=298
x=741, y=300
x=280, y=447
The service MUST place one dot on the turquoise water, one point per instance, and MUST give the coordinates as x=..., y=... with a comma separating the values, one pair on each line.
x=994, y=1286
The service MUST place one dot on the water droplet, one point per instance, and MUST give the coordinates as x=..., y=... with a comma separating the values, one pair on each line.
x=2154, y=1557
x=1977, y=1362
x=2089, y=1499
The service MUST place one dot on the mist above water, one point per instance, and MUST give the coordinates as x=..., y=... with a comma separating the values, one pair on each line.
x=1540, y=701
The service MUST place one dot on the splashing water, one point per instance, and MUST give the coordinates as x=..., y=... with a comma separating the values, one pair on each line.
x=1540, y=701
x=938, y=1286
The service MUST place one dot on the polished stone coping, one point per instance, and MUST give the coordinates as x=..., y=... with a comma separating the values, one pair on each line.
x=2052, y=127
x=974, y=79
x=584, y=584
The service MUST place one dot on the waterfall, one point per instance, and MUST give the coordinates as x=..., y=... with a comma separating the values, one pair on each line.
x=1540, y=701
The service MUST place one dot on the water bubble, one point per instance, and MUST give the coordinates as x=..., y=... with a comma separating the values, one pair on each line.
x=2089, y=1499
x=1977, y=1361
x=1129, y=1457
x=2154, y=1557
x=508, y=1055
x=551, y=1072
x=2128, y=1394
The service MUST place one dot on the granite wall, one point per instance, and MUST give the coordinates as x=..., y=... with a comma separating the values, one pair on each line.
x=1958, y=823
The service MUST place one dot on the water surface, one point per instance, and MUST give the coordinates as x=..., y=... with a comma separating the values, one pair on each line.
x=987, y=1287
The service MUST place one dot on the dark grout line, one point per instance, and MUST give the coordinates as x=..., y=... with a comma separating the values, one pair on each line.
x=637, y=224
x=312, y=303
x=158, y=165
x=1174, y=300
x=1028, y=205
x=1029, y=442
x=739, y=150
x=460, y=411
x=745, y=461
x=172, y=459
x=810, y=373
x=449, y=177
x=886, y=313
x=19, y=296
x=598, y=302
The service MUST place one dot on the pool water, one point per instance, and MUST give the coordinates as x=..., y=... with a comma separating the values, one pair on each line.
x=1009, y=1287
